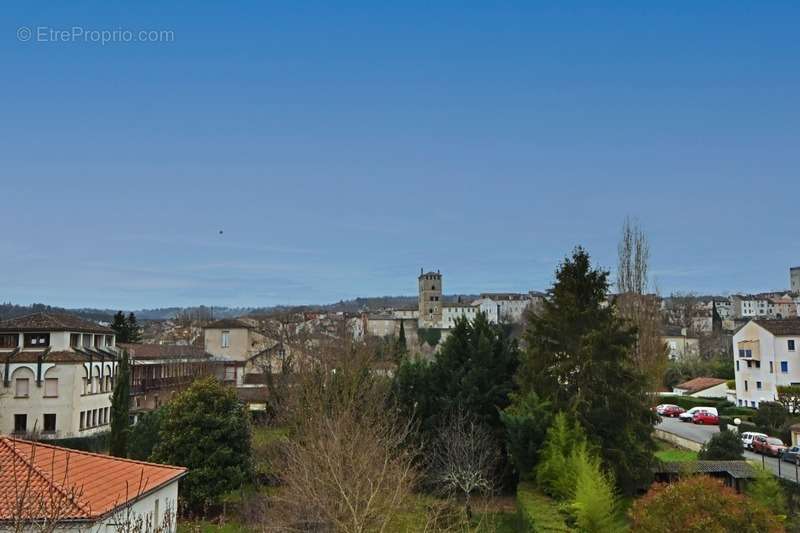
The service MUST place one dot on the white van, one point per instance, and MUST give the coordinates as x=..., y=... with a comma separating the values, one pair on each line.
x=747, y=439
x=689, y=415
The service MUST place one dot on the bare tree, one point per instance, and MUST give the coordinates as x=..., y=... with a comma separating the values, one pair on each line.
x=463, y=459
x=348, y=464
x=634, y=259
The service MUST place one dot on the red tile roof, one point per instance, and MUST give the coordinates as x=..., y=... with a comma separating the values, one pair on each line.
x=71, y=484
x=698, y=384
x=53, y=322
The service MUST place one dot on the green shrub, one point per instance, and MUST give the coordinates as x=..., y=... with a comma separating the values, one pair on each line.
x=767, y=490
x=555, y=472
x=526, y=421
x=596, y=506
x=97, y=443
x=723, y=446
x=687, y=402
x=538, y=513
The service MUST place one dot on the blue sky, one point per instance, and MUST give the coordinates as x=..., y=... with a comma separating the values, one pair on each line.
x=342, y=146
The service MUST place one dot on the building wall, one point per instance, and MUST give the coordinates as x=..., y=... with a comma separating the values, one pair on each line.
x=450, y=314
x=430, y=300
x=770, y=349
x=240, y=345
x=680, y=346
x=794, y=279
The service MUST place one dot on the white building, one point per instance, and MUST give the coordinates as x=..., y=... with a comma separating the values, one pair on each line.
x=703, y=387
x=504, y=308
x=451, y=312
x=57, y=374
x=78, y=491
x=766, y=355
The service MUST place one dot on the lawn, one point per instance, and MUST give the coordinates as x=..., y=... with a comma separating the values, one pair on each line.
x=208, y=527
x=669, y=453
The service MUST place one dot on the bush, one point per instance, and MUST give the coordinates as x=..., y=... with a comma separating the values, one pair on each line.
x=537, y=511
x=595, y=507
x=700, y=504
x=723, y=446
x=768, y=491
x=144, y=435
x=687, y=402
x=555, y=473
x=526, y=421
x=97, y=443
x=771, y=415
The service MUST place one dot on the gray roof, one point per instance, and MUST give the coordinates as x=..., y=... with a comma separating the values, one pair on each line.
x=735, y=469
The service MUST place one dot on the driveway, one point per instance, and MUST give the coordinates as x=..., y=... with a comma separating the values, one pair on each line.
x=702, y=434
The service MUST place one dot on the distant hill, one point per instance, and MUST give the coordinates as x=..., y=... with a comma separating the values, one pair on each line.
x=375, y=303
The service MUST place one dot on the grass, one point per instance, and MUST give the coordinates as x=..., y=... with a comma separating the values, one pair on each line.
x=201, y=526
x=264, y=436
x=492, y=517
x=672, y=454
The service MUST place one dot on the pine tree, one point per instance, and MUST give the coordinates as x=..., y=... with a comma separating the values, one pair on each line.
x=120, y=409
x=134, y=333
x=402, y=347
x=579, y=358
x=120, y=327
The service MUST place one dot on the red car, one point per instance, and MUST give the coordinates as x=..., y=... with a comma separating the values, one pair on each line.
x=768, y=446
x=670, y=411
x=705, y=418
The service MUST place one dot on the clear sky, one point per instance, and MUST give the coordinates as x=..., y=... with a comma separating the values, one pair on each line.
x=341, y=146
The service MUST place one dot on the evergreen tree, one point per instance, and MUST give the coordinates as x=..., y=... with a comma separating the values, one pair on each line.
x=595, y=507
x=120, y=327
x=472, y=373
x=766, y=489
x=134, y=333
x=579, y=358
x=526, y=421
x=556, y=473
x=120, y=409
x=723, y=446
x=205, y=428
x=402, y=347
x=143, y=436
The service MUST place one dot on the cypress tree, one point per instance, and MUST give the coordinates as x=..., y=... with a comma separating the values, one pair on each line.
x=120, y=326
x=120, y=408
x=402, y=347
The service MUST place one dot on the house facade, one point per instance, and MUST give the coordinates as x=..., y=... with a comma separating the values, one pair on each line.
x=680, y=343
x=766, y=355
x=233, y=338
x=58, y=372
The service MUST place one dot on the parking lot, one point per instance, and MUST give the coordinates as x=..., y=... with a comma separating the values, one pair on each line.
x=702, y=434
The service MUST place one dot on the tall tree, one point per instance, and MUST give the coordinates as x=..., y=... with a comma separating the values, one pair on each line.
x=402, y=346
x=120, y=408
x=640, y=309
x=120, y=326
x=134, y=333
x=579, y=357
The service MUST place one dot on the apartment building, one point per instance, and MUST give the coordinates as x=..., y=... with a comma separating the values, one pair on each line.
x=233, y=338
x=680, y=343
x=58, y=372
x=766, y=355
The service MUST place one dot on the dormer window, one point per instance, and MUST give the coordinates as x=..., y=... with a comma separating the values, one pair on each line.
x=37, y=340
x=10, y=340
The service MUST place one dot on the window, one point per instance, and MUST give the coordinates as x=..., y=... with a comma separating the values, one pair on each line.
x=752, y=404
x=36, y=340
x=21, y=387
x=51, y=387
x=737, y=365
x=758, y=385
x=771, y=369
x=20, y=423
x=740, y=403
x=109, y=340
x=784, y=367
x=745, y=385
x=94, y=417
x=226, y=339
x=75, y=340
x=156, y=516
x=83, y=419
x=757, y=363
x=9, y=341
x=50, y=422
x=790, y=343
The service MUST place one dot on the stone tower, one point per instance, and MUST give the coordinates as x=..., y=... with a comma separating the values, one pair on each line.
x=430, y=299
x=794, y=279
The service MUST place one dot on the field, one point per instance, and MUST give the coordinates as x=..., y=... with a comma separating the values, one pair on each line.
x=672, y=454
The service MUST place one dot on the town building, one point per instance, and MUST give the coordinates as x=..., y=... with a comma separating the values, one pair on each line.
x=766, y=355
x=680, y=343
x=452, y=312
x=430, y=299
x=58, y=372
x=233, y=338
x=794, y=279
x=702, y=387
x=69, y=491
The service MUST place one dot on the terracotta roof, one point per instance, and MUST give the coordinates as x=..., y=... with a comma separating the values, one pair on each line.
x=781, y=327
x=699, y=384
x=228, y=323
x=164, y=351
x=51, y=357
x=53, y=322
x=87, y=485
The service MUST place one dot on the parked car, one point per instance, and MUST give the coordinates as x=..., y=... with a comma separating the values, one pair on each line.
x=705, y=418
x=747, y=439
x=792, y=455
x=669, y=410
x=688, y=416
x=771, y=446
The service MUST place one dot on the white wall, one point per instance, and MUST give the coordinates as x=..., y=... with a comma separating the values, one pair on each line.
x=773, y=350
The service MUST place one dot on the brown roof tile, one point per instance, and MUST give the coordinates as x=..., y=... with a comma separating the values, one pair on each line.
x=782, y=327
x=88, y=485
x=228, y=323
x=699, y=384
x=52, y=322
x=164, y=351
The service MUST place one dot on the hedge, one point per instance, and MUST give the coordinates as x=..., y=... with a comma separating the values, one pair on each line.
x=538, y=513
x=687, y=402
x=97, y=443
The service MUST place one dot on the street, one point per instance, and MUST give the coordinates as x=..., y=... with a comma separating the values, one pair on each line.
x=702, y=434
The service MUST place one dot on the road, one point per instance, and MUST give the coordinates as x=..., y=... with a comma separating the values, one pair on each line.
x=702, y=434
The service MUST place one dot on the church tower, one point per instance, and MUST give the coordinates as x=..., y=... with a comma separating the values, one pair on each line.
x=430, y=299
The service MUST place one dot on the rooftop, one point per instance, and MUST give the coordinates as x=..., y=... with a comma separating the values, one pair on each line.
x=53, y=322
x=228, y=323
x=781, y=327
x=164, y=351
x=735, y=469
x=700, y=384
x=87, y=485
